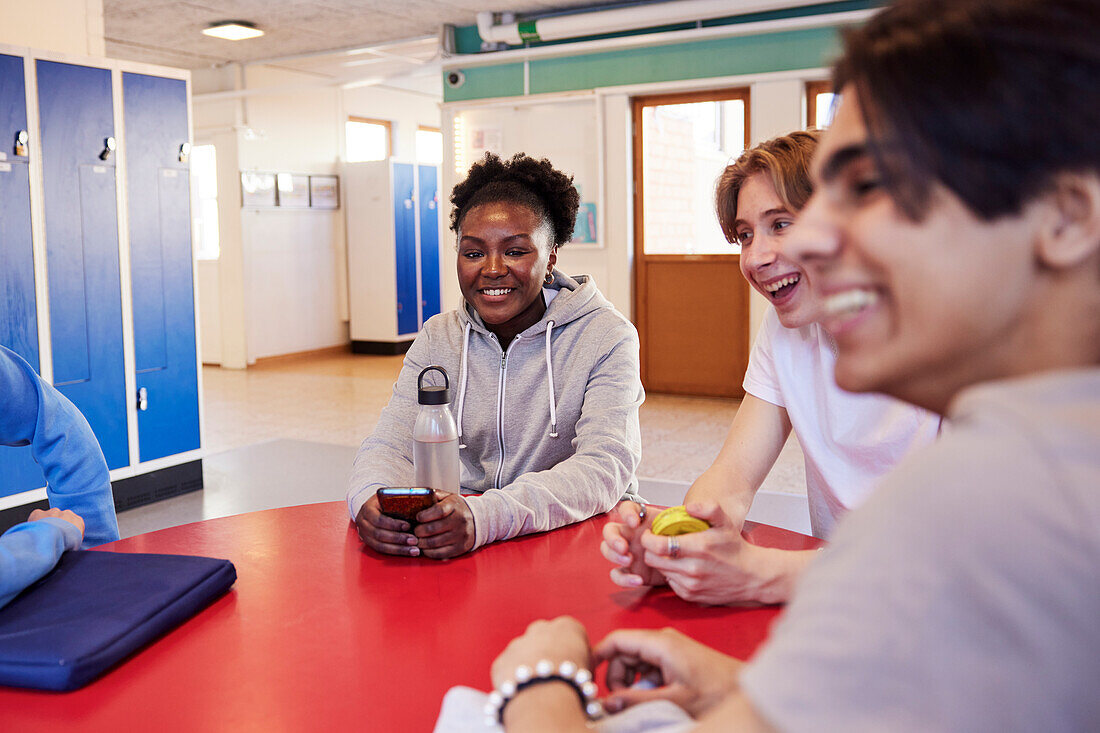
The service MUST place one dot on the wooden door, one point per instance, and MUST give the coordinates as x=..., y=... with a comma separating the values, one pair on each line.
x=691, y=304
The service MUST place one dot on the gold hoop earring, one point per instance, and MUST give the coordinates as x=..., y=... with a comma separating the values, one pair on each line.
x=549, y=279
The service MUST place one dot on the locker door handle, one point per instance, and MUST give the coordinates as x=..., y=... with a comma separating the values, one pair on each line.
x=109, y=146
x=143, y=399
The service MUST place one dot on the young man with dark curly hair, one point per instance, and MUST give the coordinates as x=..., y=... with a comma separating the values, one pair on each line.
x=546, y=371
x=954, y=231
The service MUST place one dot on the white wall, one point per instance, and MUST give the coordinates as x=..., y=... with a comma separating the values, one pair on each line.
x=209, y=315
x=66, y=26
x=291, y=277
x=777, y=107
x=406, y=110
x=537, y=129
x=282, y=277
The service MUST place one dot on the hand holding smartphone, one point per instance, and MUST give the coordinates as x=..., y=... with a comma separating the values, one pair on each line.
x=405, y=502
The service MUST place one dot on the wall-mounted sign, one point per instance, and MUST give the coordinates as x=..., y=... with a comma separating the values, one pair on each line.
x=324, y=192
x=257, y=189
x=293, y=191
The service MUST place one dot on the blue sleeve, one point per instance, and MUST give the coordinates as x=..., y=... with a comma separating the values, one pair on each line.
x=30, y=550
x=62, y=443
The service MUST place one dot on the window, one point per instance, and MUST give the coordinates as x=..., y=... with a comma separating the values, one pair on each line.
x=819, y=104
x=204, y=186
x=368, y=139
x=687, y=141
x=429, y=145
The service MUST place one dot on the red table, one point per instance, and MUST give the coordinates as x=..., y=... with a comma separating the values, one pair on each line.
x=318, y=632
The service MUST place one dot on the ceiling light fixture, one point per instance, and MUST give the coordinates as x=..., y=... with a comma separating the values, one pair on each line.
x=233, y=30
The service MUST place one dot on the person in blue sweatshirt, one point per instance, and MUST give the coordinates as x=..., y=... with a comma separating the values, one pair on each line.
x=31, y=549
x=62, y=443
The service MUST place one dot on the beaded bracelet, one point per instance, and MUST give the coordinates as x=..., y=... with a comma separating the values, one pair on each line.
x=579, y=679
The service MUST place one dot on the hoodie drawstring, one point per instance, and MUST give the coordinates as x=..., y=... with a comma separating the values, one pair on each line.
x=550, y=383
x=462, y=388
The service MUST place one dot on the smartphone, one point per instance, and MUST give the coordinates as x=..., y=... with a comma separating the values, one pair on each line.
x=405, y=502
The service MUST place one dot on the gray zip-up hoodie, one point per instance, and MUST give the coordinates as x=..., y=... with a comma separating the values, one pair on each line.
x=548, y=429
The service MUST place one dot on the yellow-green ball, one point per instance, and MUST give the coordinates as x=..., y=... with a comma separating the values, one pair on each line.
x=675, y=520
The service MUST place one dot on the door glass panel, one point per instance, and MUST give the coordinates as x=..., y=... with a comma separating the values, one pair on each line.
x=820, y=103
x=684, y=149
x=823, y=110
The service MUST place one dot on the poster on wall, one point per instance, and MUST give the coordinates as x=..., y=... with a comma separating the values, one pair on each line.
x=485, y=140
x=324, y=192
x=585, y=230
x=257, y=189
x=293, y=191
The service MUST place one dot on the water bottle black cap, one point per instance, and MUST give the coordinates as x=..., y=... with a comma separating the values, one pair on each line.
x=434, y=396
x=431, y=395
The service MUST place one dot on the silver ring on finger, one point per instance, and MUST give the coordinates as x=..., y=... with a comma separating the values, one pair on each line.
x=673, y=548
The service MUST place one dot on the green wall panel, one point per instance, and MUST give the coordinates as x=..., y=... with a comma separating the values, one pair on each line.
x=701, y=59
x=486, y=82
x=783, y=51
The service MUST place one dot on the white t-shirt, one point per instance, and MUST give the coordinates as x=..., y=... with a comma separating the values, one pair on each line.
x=965, y=595
x=849, y=440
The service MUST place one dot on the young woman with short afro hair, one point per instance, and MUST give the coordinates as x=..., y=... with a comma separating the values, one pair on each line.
x=544, y=379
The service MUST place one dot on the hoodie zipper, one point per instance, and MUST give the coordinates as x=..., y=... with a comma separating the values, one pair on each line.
x=500, y=408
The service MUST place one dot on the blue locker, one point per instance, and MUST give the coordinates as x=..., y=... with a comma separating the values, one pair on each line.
x=158, y=190
x=76, y=118
x=18, y=316
x=404, y=221
x=428, y=188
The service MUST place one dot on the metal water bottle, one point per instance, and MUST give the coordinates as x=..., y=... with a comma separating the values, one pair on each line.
x=435, y=437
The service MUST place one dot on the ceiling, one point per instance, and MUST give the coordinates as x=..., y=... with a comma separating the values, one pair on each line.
x=341, y=41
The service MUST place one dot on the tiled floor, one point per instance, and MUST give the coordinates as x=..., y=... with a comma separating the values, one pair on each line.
x=268, y=475
x=336, y=399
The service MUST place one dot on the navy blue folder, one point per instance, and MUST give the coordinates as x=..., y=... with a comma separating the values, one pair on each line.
x=96, y=608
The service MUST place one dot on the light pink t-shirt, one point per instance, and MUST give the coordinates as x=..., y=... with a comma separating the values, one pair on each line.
x=849, y=440
x=965, y=595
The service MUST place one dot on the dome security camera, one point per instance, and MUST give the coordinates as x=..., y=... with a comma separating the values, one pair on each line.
x=455, y=79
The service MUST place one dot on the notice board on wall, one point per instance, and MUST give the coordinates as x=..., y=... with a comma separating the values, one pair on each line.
x=565, y=131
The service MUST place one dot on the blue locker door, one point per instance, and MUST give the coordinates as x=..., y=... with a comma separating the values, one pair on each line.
x=429, y=241
x=76, y=117
x=158, y=191
x=404, y=225
x=18, y=318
